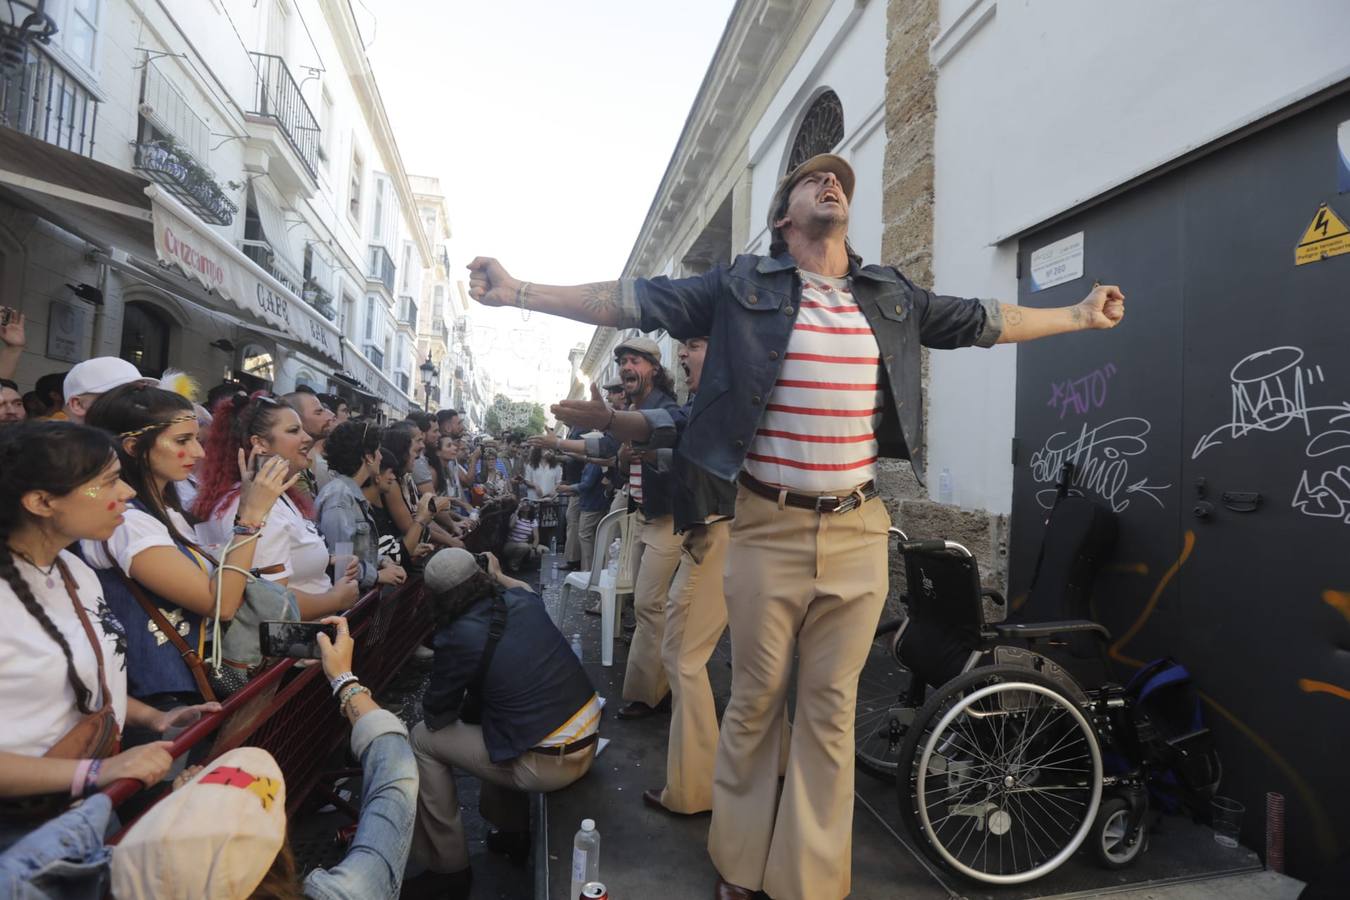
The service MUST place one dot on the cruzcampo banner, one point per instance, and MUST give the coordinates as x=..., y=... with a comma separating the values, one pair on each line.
x=219, y=266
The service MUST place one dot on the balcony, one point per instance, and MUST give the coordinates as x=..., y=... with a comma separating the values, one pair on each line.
x=283, y=134
x=375, y=355
x=43, y=100
x=166, y=163
x=320, y=299
x=382, y=268
x=407, y=311
x=262, y=253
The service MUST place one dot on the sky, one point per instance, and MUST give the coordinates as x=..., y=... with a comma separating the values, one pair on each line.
x=550, y=125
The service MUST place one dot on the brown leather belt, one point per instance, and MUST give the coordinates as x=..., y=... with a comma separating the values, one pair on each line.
x=821, y=503
x=564, y=749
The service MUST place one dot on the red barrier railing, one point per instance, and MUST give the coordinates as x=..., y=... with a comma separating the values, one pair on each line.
x=288, y=709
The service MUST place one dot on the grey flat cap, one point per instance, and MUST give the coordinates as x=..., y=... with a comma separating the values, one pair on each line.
x=448, y=569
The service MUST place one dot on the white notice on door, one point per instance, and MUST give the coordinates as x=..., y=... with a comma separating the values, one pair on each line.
x=1057, y=263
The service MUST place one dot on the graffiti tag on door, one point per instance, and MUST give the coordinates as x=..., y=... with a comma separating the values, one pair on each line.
x=1269, y=391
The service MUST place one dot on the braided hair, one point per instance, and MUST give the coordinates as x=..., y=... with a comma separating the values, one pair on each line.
x=71, y=456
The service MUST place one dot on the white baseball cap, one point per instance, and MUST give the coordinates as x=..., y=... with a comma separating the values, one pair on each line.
x=100, y=375
x=213, y=839
x=448, y=569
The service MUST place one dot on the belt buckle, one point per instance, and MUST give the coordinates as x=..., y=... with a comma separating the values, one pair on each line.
x=823, y=499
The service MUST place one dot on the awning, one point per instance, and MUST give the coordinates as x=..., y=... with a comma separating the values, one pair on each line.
x=138, y=225
x=375, y=381
x=275, y=228
x=203, y=255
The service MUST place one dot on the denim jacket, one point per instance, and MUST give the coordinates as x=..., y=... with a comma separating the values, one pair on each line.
x=65, y=859
x=343, y=514
x=747, y=311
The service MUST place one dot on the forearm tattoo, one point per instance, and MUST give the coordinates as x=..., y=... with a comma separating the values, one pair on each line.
x=601, y=298
x=1076, y=313
x=1012, y=315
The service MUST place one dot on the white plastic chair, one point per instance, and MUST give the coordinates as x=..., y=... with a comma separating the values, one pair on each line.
x=599, y=581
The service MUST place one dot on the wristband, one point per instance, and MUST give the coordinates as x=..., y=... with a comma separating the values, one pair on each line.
x=91, y=777
x=77, y=779
x=340, y=680
x=350, y=694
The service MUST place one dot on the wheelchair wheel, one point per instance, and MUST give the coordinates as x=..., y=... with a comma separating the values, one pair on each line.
x=1110, y=832
x=1000, y=777
x=882, y=716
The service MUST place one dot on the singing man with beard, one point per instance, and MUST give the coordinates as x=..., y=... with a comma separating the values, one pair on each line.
x=812, y=373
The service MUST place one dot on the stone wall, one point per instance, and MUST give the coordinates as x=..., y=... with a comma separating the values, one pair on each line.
x=907, y=242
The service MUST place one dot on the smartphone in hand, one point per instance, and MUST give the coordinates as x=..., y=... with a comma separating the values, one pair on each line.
x=255, y=465
x=296, y=640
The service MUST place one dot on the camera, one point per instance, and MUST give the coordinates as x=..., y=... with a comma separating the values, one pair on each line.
x=482, y=560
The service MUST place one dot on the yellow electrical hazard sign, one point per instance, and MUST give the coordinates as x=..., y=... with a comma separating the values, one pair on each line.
x=1327, y=236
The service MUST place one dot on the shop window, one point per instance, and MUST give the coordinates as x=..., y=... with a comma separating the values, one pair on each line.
x=145, y=339
x=257, y=364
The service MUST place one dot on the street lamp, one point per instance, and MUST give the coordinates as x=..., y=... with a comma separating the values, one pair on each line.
x=429, y=373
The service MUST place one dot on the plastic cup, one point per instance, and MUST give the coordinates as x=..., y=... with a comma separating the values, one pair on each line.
x=342, y=557
x=1227, y=818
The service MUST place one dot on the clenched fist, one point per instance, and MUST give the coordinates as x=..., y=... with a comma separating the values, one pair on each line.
x=1103, y=308
x=490, y=284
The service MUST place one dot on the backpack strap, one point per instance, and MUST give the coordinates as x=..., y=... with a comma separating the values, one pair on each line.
x=496, y=628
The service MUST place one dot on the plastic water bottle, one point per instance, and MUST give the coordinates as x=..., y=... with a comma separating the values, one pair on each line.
x=945, y=486
x=553, y=545
x=576, y=644
x=585, y=857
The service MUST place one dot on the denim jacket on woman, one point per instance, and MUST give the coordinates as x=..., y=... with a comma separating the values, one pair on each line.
x=343, y=514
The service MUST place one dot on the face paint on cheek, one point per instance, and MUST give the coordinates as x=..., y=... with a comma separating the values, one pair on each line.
x=92, y=491
x=112, y=504
x=182, y=454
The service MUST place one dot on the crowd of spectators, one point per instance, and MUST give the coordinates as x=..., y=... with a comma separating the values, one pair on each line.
x=135, y=523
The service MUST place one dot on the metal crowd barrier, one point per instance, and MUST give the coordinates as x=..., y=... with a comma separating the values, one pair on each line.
x=288, y=709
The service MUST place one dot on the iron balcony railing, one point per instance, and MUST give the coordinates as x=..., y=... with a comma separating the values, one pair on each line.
x=173, y=167
x=382, y=267
x=262, y=253
x=320, y=299
x=43, y=100
x=376, y=356
x=278, y=97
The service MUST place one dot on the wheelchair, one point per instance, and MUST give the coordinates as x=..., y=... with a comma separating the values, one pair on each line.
x=1005, y=764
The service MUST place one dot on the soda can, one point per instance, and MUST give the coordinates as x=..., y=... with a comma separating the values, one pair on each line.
x=594, y=890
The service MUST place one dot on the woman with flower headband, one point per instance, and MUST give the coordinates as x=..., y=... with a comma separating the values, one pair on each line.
x=157, y=580
x=290, y=549
x=63, y=685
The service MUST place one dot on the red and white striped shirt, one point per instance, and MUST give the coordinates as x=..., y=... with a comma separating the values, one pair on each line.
x=818, y=433
x=635, y=477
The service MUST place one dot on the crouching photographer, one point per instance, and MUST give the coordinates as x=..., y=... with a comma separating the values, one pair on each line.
x=508, y=702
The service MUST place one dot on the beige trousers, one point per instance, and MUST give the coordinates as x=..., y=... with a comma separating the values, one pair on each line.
x=645, y=678
x=438, y=836
x=572, y=547
x=696, y=616
x=589, y=522
x=814, y=583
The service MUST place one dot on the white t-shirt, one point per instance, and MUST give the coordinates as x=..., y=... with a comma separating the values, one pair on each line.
x=545, y=478
x=288, y=539
x=37, y=702
x=139, y=531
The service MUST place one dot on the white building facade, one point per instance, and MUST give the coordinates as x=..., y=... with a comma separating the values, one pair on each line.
x=225, y=178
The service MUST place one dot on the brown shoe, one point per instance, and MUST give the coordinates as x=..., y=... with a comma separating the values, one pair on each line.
x=639, y=710
x=652, y=798
x=728, y=891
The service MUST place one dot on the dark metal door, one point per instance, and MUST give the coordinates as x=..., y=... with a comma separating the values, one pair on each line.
x=1266, y=463
x=1216, y=421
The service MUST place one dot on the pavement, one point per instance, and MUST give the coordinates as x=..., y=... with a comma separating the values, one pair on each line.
x=648, y=854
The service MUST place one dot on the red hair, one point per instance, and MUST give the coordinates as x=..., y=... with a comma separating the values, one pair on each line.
x=236, y=419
